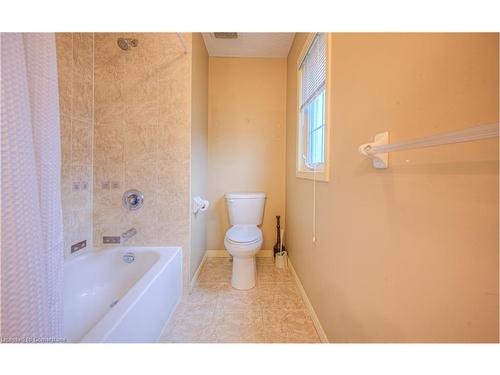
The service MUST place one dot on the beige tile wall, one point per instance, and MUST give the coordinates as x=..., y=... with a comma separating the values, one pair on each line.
x=75, y=69
x=125, y=123
x=142, y=138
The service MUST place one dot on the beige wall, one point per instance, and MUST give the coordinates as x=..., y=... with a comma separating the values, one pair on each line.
x=75, y=70
x=199, y=146
x=246, y=139
x=409, y=253
x=142, y=139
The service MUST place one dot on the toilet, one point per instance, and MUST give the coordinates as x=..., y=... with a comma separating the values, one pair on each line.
x=244, y=239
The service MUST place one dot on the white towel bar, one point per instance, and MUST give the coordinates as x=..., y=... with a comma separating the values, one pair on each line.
x=379, y=149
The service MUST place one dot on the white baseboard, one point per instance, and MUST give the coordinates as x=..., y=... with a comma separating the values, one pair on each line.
x=197, y=273
x=314, y=317
x=225, y=254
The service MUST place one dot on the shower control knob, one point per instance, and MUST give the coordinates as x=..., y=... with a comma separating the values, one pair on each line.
x=133, y=199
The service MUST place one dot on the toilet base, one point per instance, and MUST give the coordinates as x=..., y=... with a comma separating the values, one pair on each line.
x=244, y=273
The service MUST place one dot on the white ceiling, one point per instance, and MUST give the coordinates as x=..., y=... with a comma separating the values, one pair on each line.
x=250, y=45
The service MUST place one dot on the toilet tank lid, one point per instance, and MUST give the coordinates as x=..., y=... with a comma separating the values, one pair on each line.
x=246, y=195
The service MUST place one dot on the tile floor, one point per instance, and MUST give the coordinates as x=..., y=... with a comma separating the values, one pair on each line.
x=272, y=312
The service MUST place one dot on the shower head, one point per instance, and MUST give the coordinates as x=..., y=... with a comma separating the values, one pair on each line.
x=126, y=43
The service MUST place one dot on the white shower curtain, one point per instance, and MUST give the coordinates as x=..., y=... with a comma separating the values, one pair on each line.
x=32, y=233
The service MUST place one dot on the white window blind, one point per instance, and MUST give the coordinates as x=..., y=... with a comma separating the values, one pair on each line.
x=313, y=70
x=313, y=102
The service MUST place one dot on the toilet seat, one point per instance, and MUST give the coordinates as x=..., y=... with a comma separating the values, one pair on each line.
x=243, y=249
x=244, y=234
x=241, y=244
x=243, y=240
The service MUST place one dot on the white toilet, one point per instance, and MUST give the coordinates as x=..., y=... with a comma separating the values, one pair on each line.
x=244, y=239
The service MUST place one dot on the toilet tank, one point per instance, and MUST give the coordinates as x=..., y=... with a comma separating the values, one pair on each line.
x=245, y=208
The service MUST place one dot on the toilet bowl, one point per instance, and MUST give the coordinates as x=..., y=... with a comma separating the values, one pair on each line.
x=244, y=239
x=243, y=242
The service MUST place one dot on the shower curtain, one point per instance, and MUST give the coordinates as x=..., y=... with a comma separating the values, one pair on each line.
x=32, y=233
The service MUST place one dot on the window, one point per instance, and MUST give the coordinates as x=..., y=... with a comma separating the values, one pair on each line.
x=312, y=107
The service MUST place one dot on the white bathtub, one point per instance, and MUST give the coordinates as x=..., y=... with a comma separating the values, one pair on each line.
x=147, y=291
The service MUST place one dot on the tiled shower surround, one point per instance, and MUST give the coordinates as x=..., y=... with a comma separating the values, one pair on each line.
x=75, y=70
x=141, y=137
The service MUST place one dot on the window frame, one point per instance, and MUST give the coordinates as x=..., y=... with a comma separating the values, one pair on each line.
x=302, y=170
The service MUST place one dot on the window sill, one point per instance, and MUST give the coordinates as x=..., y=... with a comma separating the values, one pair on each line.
x=310, y=175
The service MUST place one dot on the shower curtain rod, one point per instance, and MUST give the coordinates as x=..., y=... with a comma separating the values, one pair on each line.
x=379, y=149
x=181, y=40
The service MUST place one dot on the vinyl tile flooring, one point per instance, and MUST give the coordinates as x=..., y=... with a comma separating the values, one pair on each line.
x=214, y=312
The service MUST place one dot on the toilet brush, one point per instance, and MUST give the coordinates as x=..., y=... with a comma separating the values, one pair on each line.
x=281, y=256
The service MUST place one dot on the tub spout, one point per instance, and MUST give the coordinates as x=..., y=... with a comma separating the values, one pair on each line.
x=128, y=234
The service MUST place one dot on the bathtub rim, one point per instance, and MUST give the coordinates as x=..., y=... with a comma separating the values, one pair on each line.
x=105, y=326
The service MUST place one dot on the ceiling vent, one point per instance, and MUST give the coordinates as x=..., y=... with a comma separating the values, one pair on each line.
x=225, y=35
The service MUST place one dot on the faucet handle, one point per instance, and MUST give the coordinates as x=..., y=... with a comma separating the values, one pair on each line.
x=129, y=234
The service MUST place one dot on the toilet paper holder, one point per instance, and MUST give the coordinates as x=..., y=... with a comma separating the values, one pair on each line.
x=200, y=204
